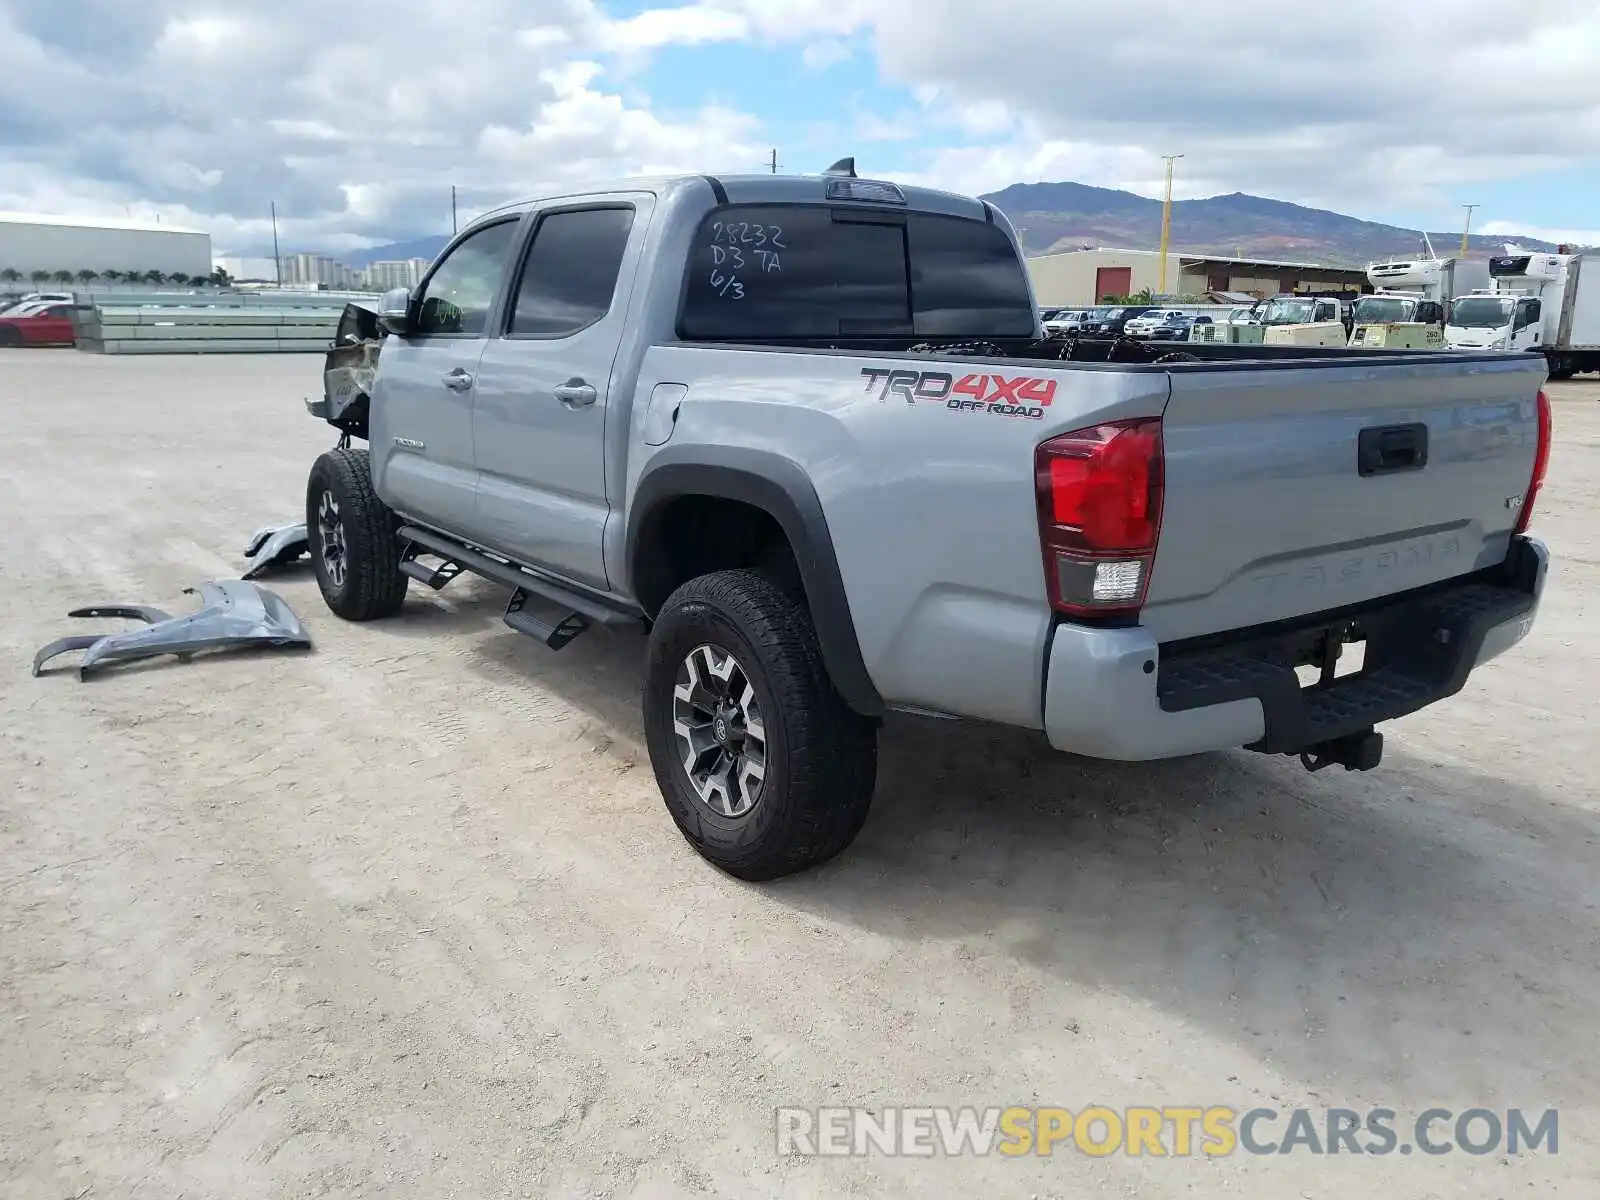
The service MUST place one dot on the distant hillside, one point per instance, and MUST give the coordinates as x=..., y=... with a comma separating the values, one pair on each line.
x=423, y=247
x=1065, y=216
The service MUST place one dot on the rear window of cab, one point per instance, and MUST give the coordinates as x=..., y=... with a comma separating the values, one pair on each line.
x=766, y=272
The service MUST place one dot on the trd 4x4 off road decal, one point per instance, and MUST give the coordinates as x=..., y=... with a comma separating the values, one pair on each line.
x=1006, y=396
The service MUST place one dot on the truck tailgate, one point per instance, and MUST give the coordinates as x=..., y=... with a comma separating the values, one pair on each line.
x=1270, y=512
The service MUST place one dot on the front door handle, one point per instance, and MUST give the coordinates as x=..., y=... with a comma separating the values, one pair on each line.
x=458, y=380
x=575, y=393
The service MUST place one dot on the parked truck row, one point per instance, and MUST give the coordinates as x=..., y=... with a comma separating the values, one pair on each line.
x=1519, y=302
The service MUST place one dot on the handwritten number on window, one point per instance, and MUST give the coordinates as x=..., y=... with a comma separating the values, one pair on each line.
x=743, y=233
x=726, y=286
x=727, y=255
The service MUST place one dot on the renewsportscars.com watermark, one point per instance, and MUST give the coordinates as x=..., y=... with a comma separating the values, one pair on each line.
x=1167, y=1131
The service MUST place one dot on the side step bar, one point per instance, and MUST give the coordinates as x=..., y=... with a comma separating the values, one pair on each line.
x=538, y=607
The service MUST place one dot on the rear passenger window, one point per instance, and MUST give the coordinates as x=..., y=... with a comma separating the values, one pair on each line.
x=570, y=273
x=813, y=271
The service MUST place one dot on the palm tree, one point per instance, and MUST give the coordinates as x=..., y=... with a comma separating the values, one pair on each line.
x=220, y=277
x=62, y=277
x=86, y=276
x=111, y=276
x=39, y=276
x=154, y=277
x=10, y=275
x=198, y=281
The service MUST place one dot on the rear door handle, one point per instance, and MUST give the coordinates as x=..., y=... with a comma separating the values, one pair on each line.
x=575, y=393
x=458, y=380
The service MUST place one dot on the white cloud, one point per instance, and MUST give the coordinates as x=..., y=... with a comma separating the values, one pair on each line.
x=819, y=56
x=582, y=132
x=875, y=127
x=1363, y=103
x=976, y=168
x=692, y=25
x=355, y=126
x=1515, y=229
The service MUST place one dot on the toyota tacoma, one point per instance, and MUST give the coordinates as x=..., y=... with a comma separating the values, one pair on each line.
x=808, y=435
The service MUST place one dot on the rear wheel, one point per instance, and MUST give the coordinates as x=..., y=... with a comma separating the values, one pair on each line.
x=352, y=536
x=9, y=336
x=763, y=766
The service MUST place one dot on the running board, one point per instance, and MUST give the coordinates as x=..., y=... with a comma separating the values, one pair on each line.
x=434, y=577
x=562, y=616
x=553, y=627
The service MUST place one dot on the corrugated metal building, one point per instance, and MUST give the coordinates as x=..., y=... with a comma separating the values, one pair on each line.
x=34, y=242
x=1088, y=276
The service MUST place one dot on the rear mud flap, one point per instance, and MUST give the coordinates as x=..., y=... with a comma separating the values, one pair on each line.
x=232, y=614
x=275, y=546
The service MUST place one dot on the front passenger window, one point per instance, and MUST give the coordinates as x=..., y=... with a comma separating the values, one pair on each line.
x=457, y=296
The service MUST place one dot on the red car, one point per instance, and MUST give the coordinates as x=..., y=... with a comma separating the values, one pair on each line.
x=47, y=326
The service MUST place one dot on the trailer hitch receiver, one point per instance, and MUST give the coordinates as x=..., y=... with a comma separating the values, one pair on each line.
x=1354, y=752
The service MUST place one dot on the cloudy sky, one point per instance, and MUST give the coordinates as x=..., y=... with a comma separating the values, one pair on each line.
x=356, y=118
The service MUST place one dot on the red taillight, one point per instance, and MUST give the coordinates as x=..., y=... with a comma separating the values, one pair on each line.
x=1099, y=493
x=1541, y=461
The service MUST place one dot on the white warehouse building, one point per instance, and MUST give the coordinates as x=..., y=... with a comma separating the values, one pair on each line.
x=32, y=242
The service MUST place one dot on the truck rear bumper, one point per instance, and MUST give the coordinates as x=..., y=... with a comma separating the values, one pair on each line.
x=1116, y=693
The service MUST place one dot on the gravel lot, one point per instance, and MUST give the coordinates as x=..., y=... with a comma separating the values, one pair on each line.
x=405, y=917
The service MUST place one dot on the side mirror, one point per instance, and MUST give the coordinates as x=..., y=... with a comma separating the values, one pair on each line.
x=394, y=311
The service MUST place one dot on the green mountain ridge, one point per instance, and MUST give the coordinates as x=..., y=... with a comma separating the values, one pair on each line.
x=1069, y=216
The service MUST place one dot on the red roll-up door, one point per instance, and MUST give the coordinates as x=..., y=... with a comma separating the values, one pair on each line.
x=1112, y=281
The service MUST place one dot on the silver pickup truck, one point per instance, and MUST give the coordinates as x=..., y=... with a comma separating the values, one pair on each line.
x=807, y=434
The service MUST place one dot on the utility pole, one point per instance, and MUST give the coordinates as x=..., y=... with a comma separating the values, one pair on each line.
x=277, y=259
x=772, y=163
x=1166, y=226
x=452, y=210
x=1467, y=228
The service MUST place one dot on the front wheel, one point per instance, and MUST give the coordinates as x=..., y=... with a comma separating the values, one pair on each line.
x=353, y=538
x=763, y=766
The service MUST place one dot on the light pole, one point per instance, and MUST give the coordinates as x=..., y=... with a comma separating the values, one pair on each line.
x=277, y=259
x=1467, y=228
x=1166, y=226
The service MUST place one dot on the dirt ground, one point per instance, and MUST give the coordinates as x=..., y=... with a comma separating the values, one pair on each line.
x=404, y=916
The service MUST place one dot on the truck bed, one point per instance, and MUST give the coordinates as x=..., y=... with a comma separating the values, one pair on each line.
x=932, y=507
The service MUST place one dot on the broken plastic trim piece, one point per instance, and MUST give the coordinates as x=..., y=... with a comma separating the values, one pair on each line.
x=232, y=614
x=275, y=546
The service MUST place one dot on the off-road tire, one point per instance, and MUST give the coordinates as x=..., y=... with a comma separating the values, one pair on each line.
x=821, y=755
x=373, y=586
